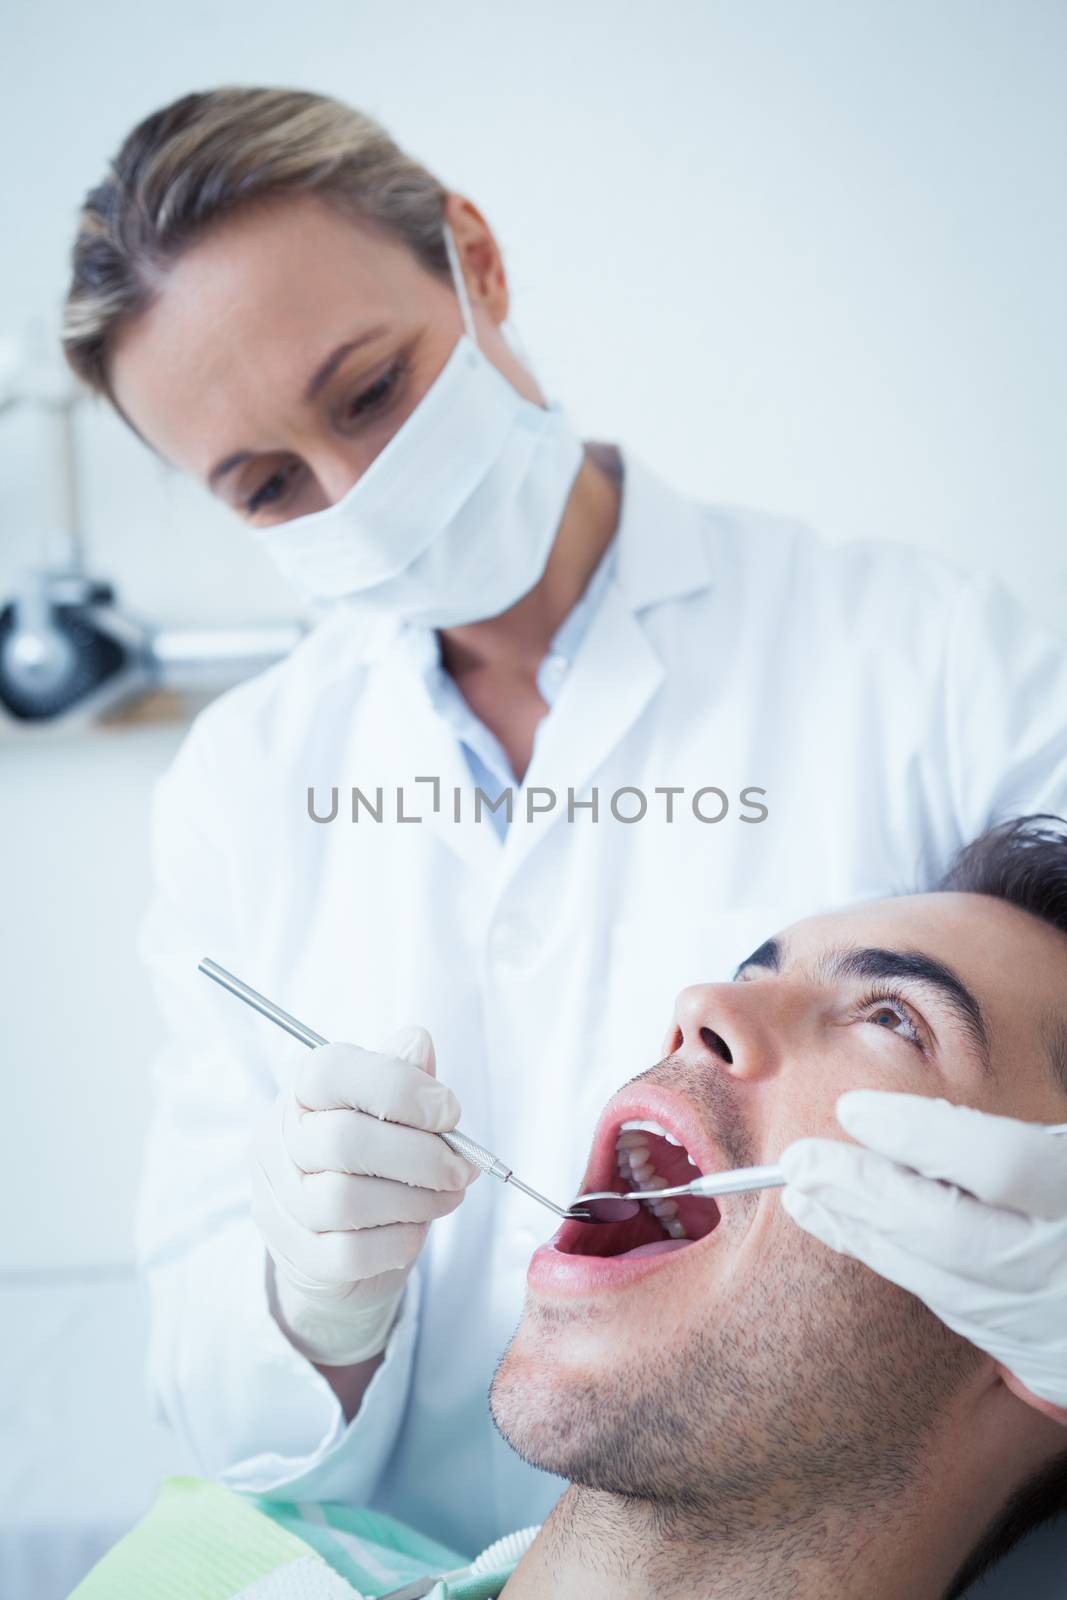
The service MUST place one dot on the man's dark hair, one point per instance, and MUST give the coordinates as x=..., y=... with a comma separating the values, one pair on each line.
x=1024, y=862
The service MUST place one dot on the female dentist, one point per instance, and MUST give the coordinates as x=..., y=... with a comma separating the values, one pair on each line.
x=695, y=723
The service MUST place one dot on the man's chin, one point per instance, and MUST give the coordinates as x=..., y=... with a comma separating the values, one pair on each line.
x=566, y=1403
x=541, y=1406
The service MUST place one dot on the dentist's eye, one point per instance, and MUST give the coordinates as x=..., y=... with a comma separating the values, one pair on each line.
x=889, y=1011
x=378, y=393
x=272, y=492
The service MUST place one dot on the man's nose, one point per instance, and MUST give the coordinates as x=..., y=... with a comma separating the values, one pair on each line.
x=716, y=1024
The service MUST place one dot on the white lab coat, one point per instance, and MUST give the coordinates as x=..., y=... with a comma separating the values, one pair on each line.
x=890, y=706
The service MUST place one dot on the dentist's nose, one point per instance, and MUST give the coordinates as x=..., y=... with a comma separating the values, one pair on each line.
x=334, y=468
x=335, y=479
x=713, y=1025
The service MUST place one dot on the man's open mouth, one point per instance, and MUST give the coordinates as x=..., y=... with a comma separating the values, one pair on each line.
x=648, y=1139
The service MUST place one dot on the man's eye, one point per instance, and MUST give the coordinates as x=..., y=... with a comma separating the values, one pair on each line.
x=893, y=1014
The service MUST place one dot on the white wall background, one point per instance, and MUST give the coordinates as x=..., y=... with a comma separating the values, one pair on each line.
x=806, y=257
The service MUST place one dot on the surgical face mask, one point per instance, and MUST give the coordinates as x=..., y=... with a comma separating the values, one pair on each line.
x=454, y=519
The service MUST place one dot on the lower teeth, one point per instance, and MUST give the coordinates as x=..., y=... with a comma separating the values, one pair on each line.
x=636, y=1168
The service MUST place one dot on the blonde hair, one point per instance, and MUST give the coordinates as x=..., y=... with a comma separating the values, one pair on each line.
x=203, y=158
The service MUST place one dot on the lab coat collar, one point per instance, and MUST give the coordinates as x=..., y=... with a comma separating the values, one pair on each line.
x=660, y=556
x=414, y=745
x=614, y=676
x=661, y=549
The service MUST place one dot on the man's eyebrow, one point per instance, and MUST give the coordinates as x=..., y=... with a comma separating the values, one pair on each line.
x=915, y=967
x=768, y=955
x=1056, y=1034
x=322, y=374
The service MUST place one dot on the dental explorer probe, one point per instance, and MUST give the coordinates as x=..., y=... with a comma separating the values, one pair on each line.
x=605, y=1205
x=464, y=1146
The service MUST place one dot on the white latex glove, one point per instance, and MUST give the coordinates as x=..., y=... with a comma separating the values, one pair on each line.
x=991, y=1263
x=347, y=1174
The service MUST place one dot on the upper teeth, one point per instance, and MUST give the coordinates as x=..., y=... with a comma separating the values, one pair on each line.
x=635, y=1166
x=649, y=1127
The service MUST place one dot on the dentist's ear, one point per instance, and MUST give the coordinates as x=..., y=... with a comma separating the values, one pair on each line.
x=480, y=258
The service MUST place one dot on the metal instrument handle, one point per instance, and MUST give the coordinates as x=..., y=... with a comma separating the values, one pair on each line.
x=739, y=1181
x=476, y=1154
x=461, y=1143
x=260, y=1003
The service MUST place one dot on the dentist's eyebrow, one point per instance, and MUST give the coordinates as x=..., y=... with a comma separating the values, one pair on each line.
x=333, y=361
x=221, y=468
x=912, y=966
x=769, y=955
x=322, y=374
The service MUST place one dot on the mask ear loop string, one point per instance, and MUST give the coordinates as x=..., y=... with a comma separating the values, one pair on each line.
x=460, y=283
x=507, y=329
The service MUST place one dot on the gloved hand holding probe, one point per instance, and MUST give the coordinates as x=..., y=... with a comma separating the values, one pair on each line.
x=347, y=1174
x=991, y=1262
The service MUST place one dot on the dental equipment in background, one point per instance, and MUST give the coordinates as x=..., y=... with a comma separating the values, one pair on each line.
x=466, y=1147
x=69, y=652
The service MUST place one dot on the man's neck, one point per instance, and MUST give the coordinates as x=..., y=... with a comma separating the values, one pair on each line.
x=597, y=1546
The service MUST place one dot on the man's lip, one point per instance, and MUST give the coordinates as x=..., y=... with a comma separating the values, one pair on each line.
x=557, y=1268
x=554, y=1272
x=649, y=1102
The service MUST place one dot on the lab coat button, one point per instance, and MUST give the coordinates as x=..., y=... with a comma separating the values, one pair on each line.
x=554, y=668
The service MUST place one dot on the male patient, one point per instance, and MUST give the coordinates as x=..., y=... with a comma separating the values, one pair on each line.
x=741, y=1411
